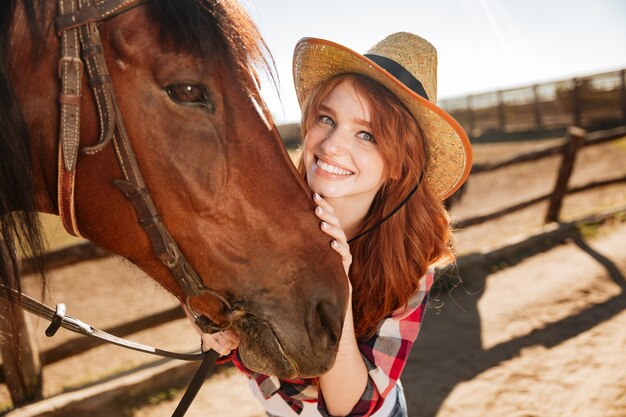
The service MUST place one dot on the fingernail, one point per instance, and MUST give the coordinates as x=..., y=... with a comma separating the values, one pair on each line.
x=319, y=211
x=316, y=196
x=325, y=226
x=335, y=244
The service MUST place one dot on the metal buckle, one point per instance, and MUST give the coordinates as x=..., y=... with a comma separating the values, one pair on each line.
x=69, y=59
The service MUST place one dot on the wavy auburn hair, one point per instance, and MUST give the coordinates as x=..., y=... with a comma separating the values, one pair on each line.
x=388, y=262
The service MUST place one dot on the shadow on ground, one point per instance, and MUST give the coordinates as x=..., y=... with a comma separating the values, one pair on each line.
x=465, y=359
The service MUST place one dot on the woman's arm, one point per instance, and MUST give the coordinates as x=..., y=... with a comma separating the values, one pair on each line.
x=343, y=385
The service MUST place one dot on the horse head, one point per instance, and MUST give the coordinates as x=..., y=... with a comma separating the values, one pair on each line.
x=213, y=163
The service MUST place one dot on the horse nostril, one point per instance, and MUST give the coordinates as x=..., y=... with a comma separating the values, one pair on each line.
x=325, y=324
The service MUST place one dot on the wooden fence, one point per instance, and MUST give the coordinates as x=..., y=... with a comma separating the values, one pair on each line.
x=576, y=139
x=593, y=102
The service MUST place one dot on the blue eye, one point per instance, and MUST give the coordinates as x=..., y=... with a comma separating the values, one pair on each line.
x=326, y=120
x=367, y=136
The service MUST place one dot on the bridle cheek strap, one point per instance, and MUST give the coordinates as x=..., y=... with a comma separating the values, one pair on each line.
x=66, y=198
x=71, y=74
x=80, y=39
x=77, y=26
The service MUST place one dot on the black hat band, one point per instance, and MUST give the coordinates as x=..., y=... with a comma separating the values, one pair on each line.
x=399, y=72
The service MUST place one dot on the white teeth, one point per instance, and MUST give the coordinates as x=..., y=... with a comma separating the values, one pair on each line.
x=332, y=169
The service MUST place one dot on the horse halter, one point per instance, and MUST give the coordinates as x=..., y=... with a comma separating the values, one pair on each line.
x=81, y=46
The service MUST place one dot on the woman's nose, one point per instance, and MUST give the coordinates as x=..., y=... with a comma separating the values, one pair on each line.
x=335, y=142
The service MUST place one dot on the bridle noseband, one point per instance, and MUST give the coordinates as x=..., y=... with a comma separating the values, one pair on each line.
x=81, y=47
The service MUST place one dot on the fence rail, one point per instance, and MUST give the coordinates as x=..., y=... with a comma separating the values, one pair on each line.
x=561, y=187
x=591, y=102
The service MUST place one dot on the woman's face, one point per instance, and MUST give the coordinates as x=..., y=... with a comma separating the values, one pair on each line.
x=341, y=157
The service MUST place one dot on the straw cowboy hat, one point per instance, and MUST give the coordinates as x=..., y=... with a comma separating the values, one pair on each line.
x=407, y=65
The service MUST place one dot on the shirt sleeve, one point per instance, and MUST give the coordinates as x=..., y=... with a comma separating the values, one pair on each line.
x=386, y=352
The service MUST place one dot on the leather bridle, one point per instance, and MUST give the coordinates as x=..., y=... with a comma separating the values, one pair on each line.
x=81, y=47
x=77, y=26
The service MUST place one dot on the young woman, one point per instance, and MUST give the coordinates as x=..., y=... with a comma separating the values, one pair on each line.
x=380, y=157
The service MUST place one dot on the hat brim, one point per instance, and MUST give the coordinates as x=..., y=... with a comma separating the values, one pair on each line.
x=450, y=156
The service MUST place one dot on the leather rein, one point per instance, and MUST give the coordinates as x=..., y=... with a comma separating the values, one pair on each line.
x=77, y=26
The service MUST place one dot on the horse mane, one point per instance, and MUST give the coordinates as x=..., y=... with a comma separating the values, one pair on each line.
x=20, y=229
x=206, y=28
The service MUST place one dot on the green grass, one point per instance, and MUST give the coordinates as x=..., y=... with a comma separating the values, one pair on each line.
x=5, y=406
x=597, y=229
x=589, y=230
x=131, y=407
x=138, y=400
x=126, y=366
x=619, y=143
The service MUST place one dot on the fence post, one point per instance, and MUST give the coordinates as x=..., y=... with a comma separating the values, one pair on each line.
x=501, y=112
x=623, y=94
x=575, y=137
x=576, y=101
x=21, y=363
x=537, y=108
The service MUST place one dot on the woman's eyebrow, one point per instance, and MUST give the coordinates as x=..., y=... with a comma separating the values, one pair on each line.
x=362, y=122
x=325, y=109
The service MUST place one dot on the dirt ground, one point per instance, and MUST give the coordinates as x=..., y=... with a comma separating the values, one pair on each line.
x=545, y=338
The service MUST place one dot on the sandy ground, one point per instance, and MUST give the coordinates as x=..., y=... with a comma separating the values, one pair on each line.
x=545, y=338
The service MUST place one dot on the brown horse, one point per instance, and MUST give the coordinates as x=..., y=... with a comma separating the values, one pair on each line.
x=211, y=158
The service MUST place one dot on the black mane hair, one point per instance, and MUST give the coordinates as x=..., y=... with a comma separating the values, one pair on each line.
x=207, y=28
x=20, y=229
x=218, y=28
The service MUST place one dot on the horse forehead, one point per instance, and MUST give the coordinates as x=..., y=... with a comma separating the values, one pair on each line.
x=142, y=47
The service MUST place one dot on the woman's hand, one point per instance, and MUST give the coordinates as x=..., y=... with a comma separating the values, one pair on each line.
x=222, y=342
x=330, y=225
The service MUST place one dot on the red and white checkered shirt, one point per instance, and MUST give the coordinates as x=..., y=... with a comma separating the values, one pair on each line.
x=384, y=354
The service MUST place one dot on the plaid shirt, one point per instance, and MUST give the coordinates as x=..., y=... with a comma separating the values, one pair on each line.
x=384, y=354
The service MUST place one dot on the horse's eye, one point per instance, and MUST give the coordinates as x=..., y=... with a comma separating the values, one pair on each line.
x=190, y=95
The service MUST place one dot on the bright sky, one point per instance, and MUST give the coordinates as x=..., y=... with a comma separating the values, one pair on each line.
x=482, y=45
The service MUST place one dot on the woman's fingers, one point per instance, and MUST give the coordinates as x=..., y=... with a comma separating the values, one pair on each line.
x=222, y=342
x=231, y=337
x=335, y=232
x=327, y=217
x=331, y=226
x=343, y=249
x=321, y=202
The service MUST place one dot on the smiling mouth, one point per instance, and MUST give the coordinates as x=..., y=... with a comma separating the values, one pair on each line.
x=332, y=169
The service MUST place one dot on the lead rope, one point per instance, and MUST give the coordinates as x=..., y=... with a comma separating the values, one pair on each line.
x=58, y=319
x=207, y=365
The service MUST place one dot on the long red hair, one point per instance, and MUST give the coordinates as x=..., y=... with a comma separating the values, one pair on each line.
x=388, y=262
